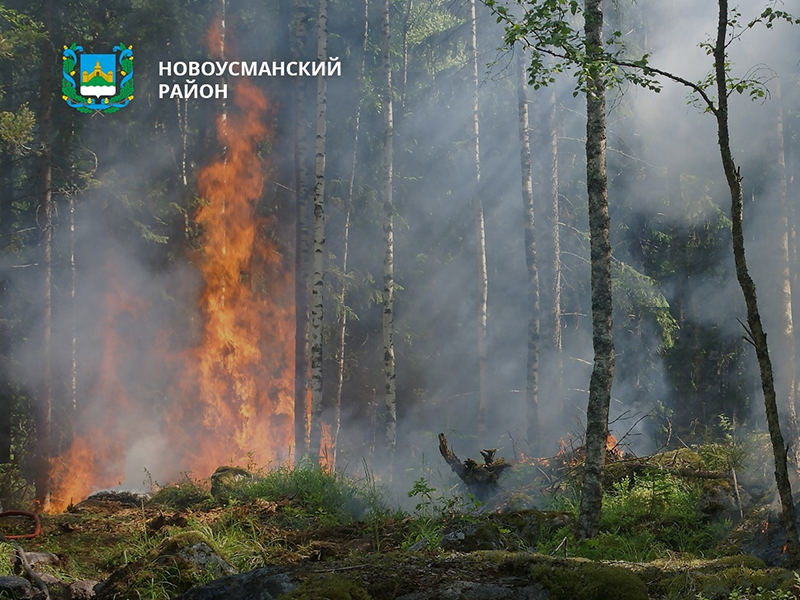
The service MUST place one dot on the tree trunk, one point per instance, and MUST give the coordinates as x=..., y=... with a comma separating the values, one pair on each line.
x=318, y=288
x=602, y=331
x=44, y=213
x=337, y=417
x=301, y=256
x=6, y=202
x=406, y=19
x=756, y=332
x=480, y=231
x=388, y=233
x=781, y=287
x=548, y=239
x=532, y=296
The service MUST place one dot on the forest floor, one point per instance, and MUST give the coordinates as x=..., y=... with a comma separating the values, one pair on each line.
x=671, y=529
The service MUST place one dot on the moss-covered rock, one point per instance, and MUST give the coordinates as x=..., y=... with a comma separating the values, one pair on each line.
x=683, y=579
x=224, y=479
x=588, y=581
x=331, y=587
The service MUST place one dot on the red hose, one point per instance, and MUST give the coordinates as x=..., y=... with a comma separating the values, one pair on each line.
x=37, y=528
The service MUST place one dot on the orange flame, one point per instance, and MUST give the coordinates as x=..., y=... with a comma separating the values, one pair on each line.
x=230, y=398
x=244, y=404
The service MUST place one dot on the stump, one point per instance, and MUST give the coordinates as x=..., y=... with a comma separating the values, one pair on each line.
x=480, y=479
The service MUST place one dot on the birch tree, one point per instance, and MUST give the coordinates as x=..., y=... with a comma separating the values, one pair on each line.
x=337, y=417
x=780, y=289
x=480, y=230
x=532, y=295
x=301, y=258
x=318, y=264
x=388, y=235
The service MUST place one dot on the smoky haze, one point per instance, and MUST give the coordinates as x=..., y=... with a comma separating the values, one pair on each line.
x=139, y=314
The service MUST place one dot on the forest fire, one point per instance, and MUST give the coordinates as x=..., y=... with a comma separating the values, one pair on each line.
x=228, y=399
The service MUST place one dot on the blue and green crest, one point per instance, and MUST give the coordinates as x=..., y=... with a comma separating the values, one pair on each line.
x=97, y=82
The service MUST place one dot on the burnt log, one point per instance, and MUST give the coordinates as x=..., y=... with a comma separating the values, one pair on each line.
x=480, y=479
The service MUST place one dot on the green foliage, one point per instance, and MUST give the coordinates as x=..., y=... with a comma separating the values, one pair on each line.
x=186, y=493
x=6, y=559
x=729, y=451
x=638, y=297
x=316, y=494
x=753, y=591
x=16, y=493
x=551, y=33
x=16, y=129
x=434, y=512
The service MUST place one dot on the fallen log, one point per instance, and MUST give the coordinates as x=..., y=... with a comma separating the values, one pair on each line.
x=480, y=479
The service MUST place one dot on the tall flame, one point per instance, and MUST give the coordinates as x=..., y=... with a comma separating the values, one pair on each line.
x=245, y=388
x=229, y=399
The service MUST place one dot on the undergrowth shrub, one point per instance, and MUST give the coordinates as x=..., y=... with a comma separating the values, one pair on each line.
x=184, y=494
x=642, y=519
x=315, y=492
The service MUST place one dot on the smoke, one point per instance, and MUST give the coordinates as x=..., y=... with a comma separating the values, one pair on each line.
x=139, y=314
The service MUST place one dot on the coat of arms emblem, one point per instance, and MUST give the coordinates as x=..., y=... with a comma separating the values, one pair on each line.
x=97, y=82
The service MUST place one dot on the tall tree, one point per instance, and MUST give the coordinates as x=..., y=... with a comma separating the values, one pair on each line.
x=318, y=270
x=337, y=418
x=44, y=212
x=600, y=256
x=301, y=256
x=532, y=296
x=780, y=288
x=756, y=332
x=552, y=331
x=388, y=238
x=480, y=229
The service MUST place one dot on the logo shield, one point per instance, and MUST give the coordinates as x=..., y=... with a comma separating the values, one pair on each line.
x=97, y=82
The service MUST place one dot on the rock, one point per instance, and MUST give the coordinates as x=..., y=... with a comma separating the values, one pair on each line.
x=81, y=590
x=718, y=499
x=225, y=478
x=17, y=588
x=180, y=562
x=124, y=497
x=36, y=558
x=204, y=558
x=49, y=579
x=267, y=583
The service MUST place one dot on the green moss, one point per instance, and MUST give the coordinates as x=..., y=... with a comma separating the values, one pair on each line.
x=331, y=587
x=588, y=581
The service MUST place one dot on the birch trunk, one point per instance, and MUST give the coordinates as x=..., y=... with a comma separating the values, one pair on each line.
x=301, y=256
x=317, y=290
x=337, y=417
x=781, y=288
x=480, y=231
x=602, y=331
x=406, y=19
x=532, y=295
x=756, y=332
x=388, y=234
x=549, y=249
x=554, y=315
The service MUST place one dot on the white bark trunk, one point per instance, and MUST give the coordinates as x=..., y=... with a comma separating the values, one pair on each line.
x=317, y=290
x=388, y=233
